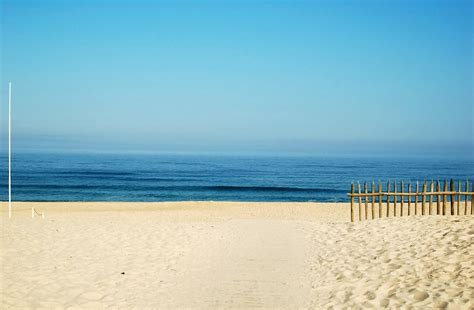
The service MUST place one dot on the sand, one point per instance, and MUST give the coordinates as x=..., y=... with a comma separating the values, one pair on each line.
x=231, y=255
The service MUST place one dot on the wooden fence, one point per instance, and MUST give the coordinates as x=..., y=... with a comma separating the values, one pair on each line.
x=434, y=198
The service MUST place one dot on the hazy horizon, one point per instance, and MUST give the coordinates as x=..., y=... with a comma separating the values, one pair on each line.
x=394, y=149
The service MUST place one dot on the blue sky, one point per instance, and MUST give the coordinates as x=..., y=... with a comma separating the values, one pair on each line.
x=277, y=76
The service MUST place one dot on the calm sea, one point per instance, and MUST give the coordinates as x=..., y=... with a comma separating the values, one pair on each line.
x=145, y=177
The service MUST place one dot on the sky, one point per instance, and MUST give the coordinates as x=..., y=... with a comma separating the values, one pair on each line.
x=270, y=76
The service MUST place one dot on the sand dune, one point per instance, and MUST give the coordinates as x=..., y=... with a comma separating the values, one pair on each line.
x=222, y=255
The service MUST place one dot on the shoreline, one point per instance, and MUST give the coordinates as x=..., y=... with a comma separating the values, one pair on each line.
x=312, y=211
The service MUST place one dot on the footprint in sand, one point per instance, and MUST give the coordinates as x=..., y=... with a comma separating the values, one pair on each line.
x=420, y=295
x=370, y=295
x=441, y=304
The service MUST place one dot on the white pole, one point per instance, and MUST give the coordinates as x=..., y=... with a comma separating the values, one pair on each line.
x=9, y=149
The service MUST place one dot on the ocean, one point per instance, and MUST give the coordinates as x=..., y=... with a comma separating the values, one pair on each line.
x=175, y=177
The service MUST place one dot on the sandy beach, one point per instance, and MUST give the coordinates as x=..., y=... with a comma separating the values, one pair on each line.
x=231, y=255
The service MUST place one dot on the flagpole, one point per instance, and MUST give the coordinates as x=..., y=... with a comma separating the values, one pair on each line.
x=9, y=149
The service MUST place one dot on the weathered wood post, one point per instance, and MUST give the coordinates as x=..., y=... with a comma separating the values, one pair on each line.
x=459, y=196
x=402, y=197
x=417, y=189
x=431, y=196
x=394, y=198
x=423, y=198
x=360, y=201
x=409, y=198
x=472, y=199
x=388, y=198
x=451, y=186
x=366, y=202
x=380, y=199
x=352, y=202
x=373, y=199
x=466, y=197
x=445, y=189
x=438, y=199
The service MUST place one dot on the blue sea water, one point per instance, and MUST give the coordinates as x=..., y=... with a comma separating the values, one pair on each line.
x=166, y=177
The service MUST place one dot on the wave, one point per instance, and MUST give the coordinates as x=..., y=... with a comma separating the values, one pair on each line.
x=215, y=188
x=86, y=173
x=271, y=189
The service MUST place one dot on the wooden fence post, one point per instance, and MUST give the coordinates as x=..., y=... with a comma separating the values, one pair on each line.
x=380, y=199
x=423, y=198
x=459, y=195
x=409, y=199
x=352, y=202
x=417, y=188
x=388, y=198
x=438, y=198
x=451, y=186
x=445, y=189
x=472, y=199
x=360, y=201
x=466, y=197
x=373, y=199
x=401, y=197
x=431, y=196
x=366, y=203
x=394, y=198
